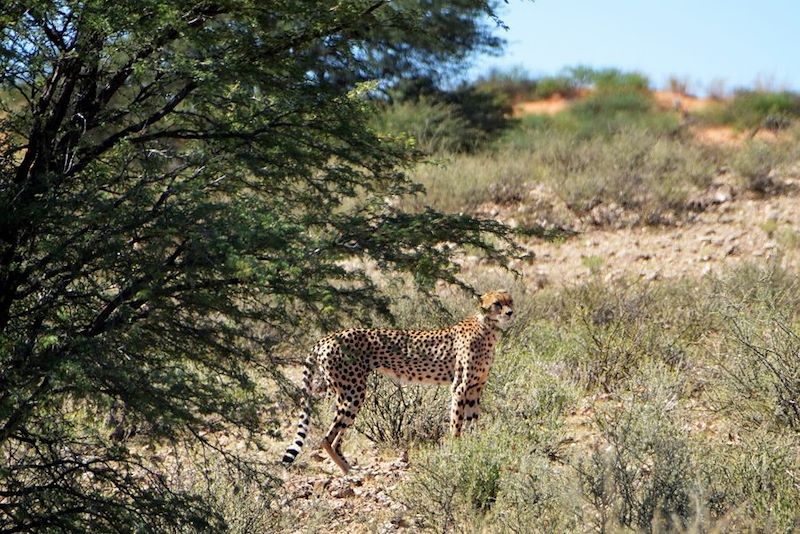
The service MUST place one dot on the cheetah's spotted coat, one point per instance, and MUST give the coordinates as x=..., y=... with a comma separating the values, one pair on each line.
x=460, y=355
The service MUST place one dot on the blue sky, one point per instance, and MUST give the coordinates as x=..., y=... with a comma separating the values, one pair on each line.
x=737, y=41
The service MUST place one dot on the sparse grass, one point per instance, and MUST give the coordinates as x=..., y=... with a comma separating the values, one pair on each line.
x=679, y=85
x=640, y=170
x=769, y=227
x=593, y=263
x=788, y=238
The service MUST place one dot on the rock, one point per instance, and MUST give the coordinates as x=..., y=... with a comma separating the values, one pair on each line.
x=343, y=493
x=649, y=276
x=724, y=194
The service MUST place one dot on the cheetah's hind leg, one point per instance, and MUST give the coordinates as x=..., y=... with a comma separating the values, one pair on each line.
x=347, y=407
x=338, y=460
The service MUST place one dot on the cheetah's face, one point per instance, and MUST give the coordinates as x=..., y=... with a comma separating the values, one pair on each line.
x=498, y=306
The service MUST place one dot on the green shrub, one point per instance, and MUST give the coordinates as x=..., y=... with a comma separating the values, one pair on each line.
x=757, y=290
x=515, y=85
x=606, y=112
x=457, y=484
x=485, y=482
x=607, y=102
x=756, y=109
x=758, y=161
x=444, y=121
x=644, y=478
x=524, y=395
x=760, y=372
x=487, y=114
x=610, y=332
x=435, y=127
x=555, y=85
x=633, y=168
x=614, y=79
x=750, y=484
x=607, y=79
x=244, y=506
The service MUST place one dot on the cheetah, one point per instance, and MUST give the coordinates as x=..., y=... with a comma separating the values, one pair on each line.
x=460, y=355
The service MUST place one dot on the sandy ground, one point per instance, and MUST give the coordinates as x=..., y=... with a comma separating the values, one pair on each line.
x=666, y=100
x=726, y=234
x=551, y=106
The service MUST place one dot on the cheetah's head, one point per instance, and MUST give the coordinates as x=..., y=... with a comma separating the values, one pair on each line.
x=497, y=306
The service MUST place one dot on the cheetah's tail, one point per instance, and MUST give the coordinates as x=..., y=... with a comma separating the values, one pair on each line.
x=302, y=427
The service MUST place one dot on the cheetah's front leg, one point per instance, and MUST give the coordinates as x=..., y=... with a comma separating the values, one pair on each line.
x=457, y=403
x=472, y=409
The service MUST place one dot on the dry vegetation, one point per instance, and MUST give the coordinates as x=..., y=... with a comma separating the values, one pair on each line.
x=651, y=380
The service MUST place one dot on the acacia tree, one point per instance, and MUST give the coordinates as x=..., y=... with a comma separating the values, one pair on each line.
x=182, y=185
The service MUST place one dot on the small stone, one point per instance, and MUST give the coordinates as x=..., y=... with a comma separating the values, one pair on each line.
x=320, y=485
x=343, y=493
x=721, y=196
x=649, y=276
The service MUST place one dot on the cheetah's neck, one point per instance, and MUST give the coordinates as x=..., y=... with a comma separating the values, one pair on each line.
x=488, y=324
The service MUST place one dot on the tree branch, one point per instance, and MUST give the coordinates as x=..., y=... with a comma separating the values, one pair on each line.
x=90, y=154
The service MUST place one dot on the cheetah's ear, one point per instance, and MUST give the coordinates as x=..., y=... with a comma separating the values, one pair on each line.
x=487, y=299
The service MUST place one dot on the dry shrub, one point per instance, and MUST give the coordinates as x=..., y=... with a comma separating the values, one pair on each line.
x=399, y=415
x=642, y=475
